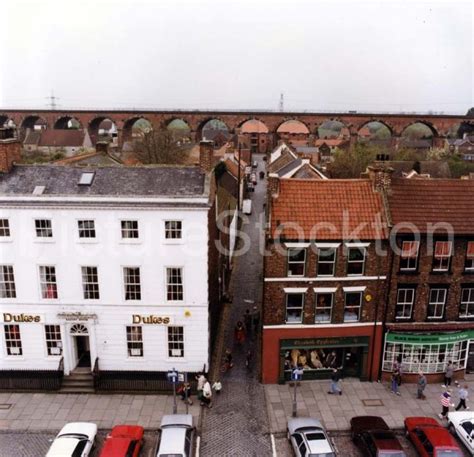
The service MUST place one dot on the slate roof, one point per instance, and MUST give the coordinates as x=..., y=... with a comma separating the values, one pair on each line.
x=108, y=181
x=344, y=209
x=92, y=158
x=308, y=172
x=422, y=202
x=290, y=167
x=62, y=138
x=283, y=160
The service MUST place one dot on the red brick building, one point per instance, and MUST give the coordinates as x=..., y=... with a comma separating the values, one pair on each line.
x=324, y=284
x=430, y=315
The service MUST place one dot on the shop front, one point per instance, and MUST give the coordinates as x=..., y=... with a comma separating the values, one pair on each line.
x=318, y=356
x=429, y=353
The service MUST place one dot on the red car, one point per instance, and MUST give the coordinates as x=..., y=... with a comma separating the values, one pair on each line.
x=123, y=441
x=430, y=438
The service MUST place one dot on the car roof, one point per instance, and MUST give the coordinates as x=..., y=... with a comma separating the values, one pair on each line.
x=318, y=442
x=386, y=440
x=421, y=421
x=127, y=431
x=177, y=419
x=172, y=440
x=86, y=428
x=115, y=447
x=440, y=437
x=62, y=447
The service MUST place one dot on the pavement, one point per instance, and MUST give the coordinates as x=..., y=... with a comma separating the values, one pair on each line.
x=358, y=398
x=49, y=411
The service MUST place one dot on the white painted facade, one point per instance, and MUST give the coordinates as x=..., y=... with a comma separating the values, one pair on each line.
x=106, y=319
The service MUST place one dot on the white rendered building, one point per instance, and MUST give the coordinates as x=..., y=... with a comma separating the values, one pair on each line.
x=106, y=269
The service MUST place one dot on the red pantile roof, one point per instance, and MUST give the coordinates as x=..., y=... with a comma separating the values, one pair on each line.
x=331, y=142
x=422, y=202
x=336, y=209
x=62, y=137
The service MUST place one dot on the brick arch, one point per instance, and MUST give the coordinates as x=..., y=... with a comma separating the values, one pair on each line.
x=94, y=123
x=204, y=121
x=28, y=122
x=61, y=121
x=241, y=123
x=292, y=119
x=380, y=121
x=167, y=121
x=344, y=122
x=428, y=124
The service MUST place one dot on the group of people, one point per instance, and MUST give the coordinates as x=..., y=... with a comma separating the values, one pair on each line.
x=204, y=390
x=445, y=398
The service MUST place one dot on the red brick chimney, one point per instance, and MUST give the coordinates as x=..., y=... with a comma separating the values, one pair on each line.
x=206, y=155
x=273, y=185
x=381, y=176
x=10, y=149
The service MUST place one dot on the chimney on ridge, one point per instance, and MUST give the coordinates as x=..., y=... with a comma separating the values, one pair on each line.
x=10, y=149
x=206, y=155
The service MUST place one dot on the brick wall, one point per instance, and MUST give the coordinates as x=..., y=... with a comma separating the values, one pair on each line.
x=10, y=152
x=424, y=277
x=274, y=296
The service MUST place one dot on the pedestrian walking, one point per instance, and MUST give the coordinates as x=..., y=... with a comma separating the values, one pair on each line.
x=462, y=394
x=207, y=395
x=201, y=380
x=448, y=375
x=239, y=333
x=445, y=404
x=397, y=366
x=335, y=378
x=227, y=365
x=248, y=321
x=256, y=319
x=421, y=386
x=395, y=382
x=248, y=359
x=184, y=391
x=217, y=386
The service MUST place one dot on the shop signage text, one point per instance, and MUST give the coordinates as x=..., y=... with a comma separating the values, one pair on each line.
x=21, y=318
x=430, y=338
x=326, y=342
x=78, y=316
x=151, y=319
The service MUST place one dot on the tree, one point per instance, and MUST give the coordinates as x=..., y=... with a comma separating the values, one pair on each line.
x=160, y=147
x=350, y=164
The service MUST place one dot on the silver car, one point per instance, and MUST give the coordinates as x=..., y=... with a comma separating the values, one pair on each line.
x=177, y=436
x=309, y=439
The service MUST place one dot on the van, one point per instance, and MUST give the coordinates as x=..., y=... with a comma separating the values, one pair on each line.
x=247, y=206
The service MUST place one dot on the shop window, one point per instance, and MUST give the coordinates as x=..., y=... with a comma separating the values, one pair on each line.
x=469, y=264
x=428, y=358
x=405, y=300
x=173, y=230
x=355, y=261
x=49, y=287
x=7, y=282
x=294, y=308
x=129, y=229
x=13, y=340
x=466, y=308
x=326, y=261
x=352, y=305
x=54, y=343
x=409, y=255
x=323, y=310
x=4, y=228
x=175, y=341
x=437, y=302
x=442, y=255
x=90, y=283
x=134, y=341
x=174, y=284
x=44, y=228
x=86, y=229
x=296, y=262
x=131, y=278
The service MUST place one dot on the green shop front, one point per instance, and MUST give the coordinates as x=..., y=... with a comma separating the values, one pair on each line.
x=428, y=353
x=318, y=356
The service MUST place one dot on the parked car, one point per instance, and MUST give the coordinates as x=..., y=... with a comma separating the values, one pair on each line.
x=308, y=438
x=123, y=441
x=247, y=206
x=373, y=436
x=75, y=439
x=254, y=164
x=430, y=438
x=177, y=436
x=461, y=423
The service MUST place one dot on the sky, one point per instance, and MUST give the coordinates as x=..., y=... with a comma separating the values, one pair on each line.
x=321, y=55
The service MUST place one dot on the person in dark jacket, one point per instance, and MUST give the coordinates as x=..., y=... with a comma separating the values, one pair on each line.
x=421, y=386
x=335, y=378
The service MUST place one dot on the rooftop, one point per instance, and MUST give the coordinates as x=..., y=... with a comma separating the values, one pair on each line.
x=113, y=181
x=329, y=209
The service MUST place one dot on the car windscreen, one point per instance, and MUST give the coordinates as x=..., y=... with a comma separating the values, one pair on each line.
x=77, y=436
x=315, y=436
x=448, y=453
x=325, y=454
x=391, y=454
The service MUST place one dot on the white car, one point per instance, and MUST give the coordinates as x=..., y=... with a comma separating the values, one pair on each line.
x=74, y=440
x=461, y=423
x=308, y=438
x=177, y=436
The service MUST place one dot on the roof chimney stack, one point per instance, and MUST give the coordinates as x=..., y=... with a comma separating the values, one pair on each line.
x=10, y=149
x=206, y=155
x=381, y=176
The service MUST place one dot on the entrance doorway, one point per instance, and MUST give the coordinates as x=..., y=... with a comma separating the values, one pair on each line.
x=470, y=358
x=83, y=353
